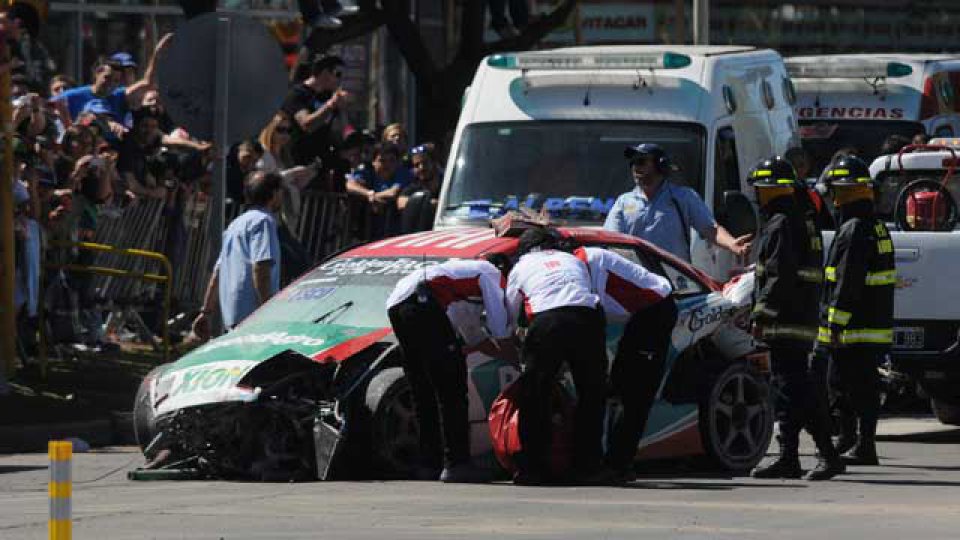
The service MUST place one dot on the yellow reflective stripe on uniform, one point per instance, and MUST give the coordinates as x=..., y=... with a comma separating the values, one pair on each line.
x=863, y=179
x=789, y=331
x=867, y=335
x=887, y=277
x=759, y=270
x=830, y=273
x=762, y=172
x=784, y=181
x=885, y=246
x=858, y=335
x=838, y=172
x=816, y=244
x=811, y=275
x=838, y=316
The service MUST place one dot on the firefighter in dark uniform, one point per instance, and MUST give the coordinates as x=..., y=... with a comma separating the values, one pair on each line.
x=856, y=307
x=788, y=279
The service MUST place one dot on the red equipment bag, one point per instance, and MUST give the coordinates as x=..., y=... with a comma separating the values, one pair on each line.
x=504, y=422
x=926, y=210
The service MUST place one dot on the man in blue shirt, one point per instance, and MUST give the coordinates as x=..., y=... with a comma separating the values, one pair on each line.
x=119, y=99
x=247, y=272
x=662, y=212
x=380, y=184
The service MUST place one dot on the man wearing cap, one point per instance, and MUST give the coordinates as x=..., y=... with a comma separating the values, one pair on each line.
x=662, y=212
x=119, y=99
x=124, y=69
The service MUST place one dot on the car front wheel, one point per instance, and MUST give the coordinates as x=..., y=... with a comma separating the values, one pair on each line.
x=394, y=430
x=736, y=418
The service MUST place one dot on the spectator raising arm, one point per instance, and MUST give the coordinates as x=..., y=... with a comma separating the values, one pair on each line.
x=137, y=90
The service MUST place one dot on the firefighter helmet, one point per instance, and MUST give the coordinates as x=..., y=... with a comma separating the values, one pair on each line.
x=773, y=172
x=847, y=171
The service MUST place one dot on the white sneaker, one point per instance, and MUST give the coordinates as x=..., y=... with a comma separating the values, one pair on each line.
x=327, y=22
x=346, y=10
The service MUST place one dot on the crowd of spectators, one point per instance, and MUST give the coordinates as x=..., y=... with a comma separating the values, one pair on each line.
x=85, y=150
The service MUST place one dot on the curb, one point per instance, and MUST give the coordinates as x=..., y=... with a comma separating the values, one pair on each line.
x=113, y=429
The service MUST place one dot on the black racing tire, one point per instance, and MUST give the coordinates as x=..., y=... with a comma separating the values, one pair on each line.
x=144, y=421
x=393, y=427
x=946, y=412
x=736, y=418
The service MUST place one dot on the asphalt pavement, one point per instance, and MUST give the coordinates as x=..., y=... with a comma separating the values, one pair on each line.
x=913, y=495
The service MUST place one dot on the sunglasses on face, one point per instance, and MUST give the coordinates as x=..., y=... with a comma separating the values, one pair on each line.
x=640, y=161
x=282, y=129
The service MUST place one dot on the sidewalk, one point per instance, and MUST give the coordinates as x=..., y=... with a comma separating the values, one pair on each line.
x=89, y=397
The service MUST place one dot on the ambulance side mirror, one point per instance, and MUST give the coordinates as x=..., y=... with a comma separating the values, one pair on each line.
x=737, y=214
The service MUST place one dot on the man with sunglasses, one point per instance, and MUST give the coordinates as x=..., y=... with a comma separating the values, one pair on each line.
x=662, y=212
x=314, y=103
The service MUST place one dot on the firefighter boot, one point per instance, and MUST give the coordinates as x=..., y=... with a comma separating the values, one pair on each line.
x=848, y=431
x=829, y=463
x=788, y=464
x=865, y=451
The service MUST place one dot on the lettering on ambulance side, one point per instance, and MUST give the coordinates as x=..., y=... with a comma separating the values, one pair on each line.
x=852, y=113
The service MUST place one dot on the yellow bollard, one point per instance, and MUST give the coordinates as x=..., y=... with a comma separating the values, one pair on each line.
x=60, y=489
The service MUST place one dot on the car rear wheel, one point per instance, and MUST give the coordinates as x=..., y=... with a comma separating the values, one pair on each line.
x=946, y=412
x=144, y=421
x=394, y=430
x=736, y=418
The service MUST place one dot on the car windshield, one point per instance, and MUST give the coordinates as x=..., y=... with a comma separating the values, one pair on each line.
x=343, y=291
x=574, y=169
x=823, y=138
x=890, y=183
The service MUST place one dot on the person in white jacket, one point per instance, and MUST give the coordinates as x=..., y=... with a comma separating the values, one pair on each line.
x=565, y=325
x=632, y=294
x=432, y=311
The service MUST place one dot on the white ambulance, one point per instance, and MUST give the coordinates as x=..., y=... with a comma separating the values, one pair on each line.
x=548, y=129
x=918, y=191
x=858, y=100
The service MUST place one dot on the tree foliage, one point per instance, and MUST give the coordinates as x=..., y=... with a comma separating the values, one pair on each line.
x=440, y=85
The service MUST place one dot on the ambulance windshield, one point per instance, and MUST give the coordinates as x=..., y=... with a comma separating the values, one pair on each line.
x=574, y=169
x=822, y=138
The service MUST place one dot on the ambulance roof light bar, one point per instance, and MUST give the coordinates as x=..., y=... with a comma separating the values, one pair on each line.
x=857, y=69
x=597, y=61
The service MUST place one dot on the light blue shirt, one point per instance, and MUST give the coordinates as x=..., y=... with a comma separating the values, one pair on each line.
x=250, y=238
x=657, y=220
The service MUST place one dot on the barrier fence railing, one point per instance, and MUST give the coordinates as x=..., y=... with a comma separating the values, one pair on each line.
x=112, y=272
x=326, y=223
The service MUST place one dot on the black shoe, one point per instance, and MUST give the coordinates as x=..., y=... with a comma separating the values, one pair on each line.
x=529, y=478
x=845, y=444
x=426, y=474
x=826, y=469
x=601, y=476
x=781, y=468
x=861, y=455
x=465, y=473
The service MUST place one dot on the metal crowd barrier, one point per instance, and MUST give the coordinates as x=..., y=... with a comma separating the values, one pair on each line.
x=113, y=272
x=327, y=223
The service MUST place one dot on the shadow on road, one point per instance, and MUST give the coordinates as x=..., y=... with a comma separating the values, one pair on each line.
x=706, y=486
x=927, y=467
x=950, y=436
x=931, y=483
x=4, y=469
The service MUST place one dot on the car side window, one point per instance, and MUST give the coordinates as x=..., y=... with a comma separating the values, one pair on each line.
x=682, y=283
x=943, y=131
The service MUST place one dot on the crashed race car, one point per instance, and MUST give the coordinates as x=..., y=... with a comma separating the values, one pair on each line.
x=309, y=386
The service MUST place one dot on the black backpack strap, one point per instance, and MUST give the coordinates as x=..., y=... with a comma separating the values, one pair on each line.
x=683, y=217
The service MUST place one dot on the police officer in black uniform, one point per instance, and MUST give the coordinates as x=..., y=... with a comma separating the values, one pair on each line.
x=856, y=307
x=788, y=278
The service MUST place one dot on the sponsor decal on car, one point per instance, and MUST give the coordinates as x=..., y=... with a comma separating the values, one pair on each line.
x=375, y=267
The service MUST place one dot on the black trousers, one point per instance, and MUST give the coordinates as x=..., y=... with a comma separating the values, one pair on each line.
x=636, y=375
x=575, y=336
x=436, y=369
x=801, y=397
x=854, y=377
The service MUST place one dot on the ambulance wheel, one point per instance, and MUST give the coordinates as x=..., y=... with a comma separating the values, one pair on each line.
x=946, y=412
x=736, y=419
x=144, y=421
x=394, y=431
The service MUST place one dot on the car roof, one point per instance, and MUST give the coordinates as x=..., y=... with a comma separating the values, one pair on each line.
x=476, y=242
